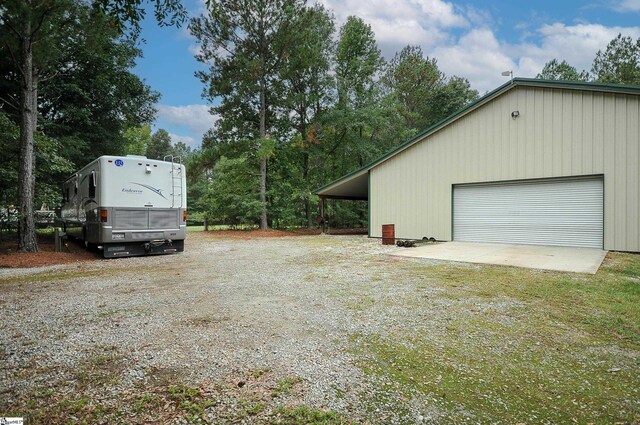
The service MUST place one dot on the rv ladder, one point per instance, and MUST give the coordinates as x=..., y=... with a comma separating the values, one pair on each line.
x=176, y=179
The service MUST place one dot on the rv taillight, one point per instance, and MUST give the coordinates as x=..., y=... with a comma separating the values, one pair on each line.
x=103, y=216
x=184, y=215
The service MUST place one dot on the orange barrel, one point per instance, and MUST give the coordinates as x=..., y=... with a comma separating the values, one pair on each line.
x=388, y=234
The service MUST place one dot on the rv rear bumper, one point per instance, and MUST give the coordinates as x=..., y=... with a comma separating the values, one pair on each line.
x=134, y=249
x=114, y=236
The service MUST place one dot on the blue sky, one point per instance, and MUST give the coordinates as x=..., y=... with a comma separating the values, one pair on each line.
x=476, y=40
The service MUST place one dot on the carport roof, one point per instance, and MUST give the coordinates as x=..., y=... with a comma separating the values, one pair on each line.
x=355, y=185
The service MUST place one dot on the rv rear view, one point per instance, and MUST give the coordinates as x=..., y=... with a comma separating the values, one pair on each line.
x=127, y=206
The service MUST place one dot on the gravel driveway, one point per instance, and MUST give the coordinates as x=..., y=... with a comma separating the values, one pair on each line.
x=221, y=310
x=231, y=331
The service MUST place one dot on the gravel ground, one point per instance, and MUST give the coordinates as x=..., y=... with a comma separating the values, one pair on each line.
x=222, y=308
x=254, y=324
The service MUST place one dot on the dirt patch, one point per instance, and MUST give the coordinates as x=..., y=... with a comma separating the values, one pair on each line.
x=10, y=257
x=75, y=252
x=271, y=233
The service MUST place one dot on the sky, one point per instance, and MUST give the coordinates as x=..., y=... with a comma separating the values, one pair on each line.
x=476, y=40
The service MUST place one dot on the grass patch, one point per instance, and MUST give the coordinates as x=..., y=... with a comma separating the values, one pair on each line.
x=259, y=372
x=606, y=305
x=485, y=385
x=510, y=345
x=285, y=386
x=51, y=276
x=308, y=416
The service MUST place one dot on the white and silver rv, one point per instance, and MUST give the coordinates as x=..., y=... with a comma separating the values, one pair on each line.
x=127, y=205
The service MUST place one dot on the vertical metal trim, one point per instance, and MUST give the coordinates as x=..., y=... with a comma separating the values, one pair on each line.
x=369, y=203
x=452, y=206
x=604, y=221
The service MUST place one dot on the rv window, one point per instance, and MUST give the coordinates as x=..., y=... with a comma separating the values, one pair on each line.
x=65, y=195
x=92, y=185
x=75, y=188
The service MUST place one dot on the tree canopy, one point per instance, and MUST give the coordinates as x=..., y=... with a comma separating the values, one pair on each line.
x=68, y=88
x=619, y=63
x=314, y=103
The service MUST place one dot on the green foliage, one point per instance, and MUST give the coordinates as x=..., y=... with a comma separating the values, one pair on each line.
x=422, y=93
x=52, y=166
x=619, y=63
x=127, y=14
x=244, y=44
x=137, y=139
x=306, y=415
x=358, y=63
x=87, y=95
x=160, y=145
x=232, y=198
x=319, y=125
x=554, y=70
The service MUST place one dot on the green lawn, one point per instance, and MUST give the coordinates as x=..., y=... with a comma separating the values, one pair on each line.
x=518, y=346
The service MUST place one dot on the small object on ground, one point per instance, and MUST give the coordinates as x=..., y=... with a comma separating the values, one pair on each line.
x=406, y=244
x=614, y=369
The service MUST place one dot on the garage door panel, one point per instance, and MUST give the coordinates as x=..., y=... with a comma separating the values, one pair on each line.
x=552, y=212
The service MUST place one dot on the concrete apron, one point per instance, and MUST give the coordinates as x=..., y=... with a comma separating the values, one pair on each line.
x=564, y=259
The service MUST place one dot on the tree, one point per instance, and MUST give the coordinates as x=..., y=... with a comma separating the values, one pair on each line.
x=137, y=140
x=413, y=80
x=180, y=149
x=36, y=35
x=92, y=104
x=127, y=14
x=53, y=166
x=358, y=62
x=422, y=92
x=554, y=70
x=232, y=198
x=160, y=145
x=244, y=43
x=619, y=63
x=305, y=75
x=33, y=34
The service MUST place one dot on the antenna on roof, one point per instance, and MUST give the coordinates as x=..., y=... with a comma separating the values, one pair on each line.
x=507, y=74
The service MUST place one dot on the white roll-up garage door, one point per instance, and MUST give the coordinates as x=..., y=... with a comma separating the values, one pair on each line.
x=559, y=212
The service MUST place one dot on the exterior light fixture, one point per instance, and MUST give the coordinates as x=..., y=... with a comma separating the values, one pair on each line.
x=515, y=114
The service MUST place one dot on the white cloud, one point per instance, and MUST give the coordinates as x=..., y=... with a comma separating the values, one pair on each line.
x=195, y=118
x=187, y=140
x=402, y=22
x=627, y=6
x=577, y=44
x=464, y=41
x=479, y=56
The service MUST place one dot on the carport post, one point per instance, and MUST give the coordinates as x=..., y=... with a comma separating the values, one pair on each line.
x=322, y=206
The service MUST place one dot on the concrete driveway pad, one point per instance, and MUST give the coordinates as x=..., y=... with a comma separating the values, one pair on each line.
x=565, y=259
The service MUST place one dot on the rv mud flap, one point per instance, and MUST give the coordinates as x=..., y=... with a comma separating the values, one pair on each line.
x=114, y=250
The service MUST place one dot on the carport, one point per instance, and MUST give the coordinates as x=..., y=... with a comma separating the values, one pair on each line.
x=353, y=187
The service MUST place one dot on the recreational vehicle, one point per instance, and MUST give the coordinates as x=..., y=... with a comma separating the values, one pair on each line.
x=127, y=205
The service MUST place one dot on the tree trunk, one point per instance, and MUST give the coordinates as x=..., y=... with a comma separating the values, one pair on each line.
x=28, y=120
x=305, y=177
x=305, y=168
x=263, y=161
